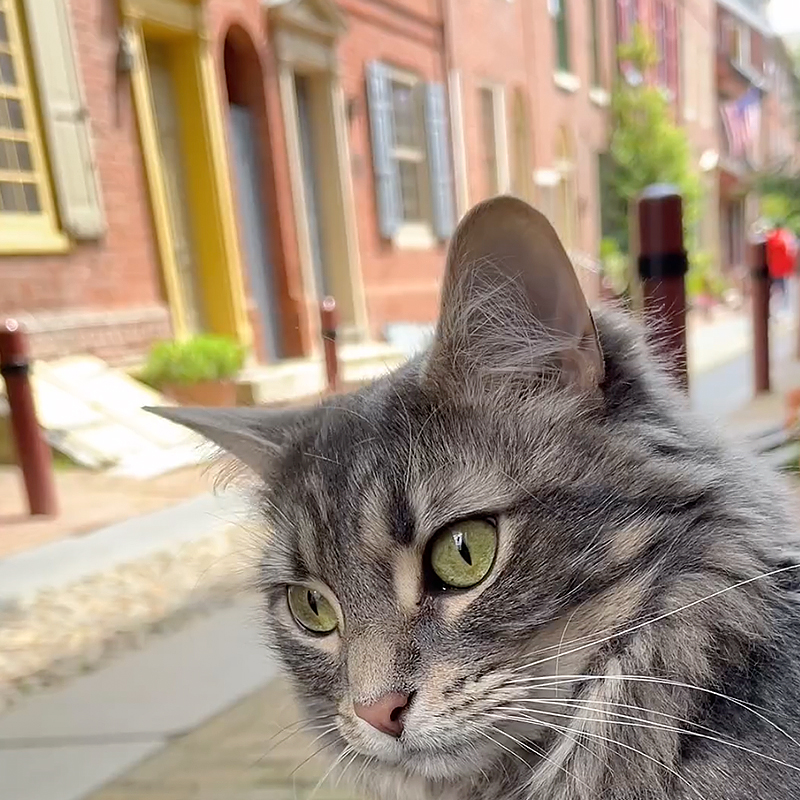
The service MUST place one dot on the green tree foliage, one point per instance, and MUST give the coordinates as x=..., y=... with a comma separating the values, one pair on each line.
x=646, y=145
x=780, y=191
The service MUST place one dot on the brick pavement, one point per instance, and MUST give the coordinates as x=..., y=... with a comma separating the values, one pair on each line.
x=239, y=755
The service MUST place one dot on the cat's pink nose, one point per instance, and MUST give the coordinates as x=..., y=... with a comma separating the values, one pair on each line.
x=386, y=713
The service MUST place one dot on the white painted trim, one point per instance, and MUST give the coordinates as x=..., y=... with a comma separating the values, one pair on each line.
x=547, y=177
x=414, y=236
x=358, y=294
x=754, y=20
x=599, y=96
x=501, y=140
x=455, y=93
x=567, y=81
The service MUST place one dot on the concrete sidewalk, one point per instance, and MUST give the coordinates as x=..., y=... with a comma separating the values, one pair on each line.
x=66, y=743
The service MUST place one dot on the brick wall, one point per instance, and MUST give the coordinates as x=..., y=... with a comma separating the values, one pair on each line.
x=399, y=285
x=121, y=271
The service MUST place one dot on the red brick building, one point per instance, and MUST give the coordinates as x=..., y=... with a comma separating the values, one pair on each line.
x=177, y=166
x=753, y=70
x=528, y=103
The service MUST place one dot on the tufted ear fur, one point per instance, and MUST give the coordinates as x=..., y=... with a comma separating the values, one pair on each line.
x=252, y=435
x=511, y=302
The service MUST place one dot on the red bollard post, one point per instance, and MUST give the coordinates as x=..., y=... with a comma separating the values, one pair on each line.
x=330, y=321
x=663, y=264
x=33, y=452
x=760, y=295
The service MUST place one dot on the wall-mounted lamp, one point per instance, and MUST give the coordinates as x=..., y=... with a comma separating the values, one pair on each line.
x=126, y=55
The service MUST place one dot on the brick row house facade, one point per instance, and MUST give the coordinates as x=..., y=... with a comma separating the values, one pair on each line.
x=178, y=166
x=752, y=69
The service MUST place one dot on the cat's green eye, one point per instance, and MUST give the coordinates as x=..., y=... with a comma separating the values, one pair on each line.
x=463, y=553
x=311, y=610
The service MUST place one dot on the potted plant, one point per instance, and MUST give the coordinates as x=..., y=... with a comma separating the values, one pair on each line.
x=196, y=371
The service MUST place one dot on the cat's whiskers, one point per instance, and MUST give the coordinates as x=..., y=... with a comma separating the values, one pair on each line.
x=578, y=702
x=540, y=753
x=546, y=683
x=346, y=752
x=318, y=750
x=592, y=735
x=655, y=726
x=345, y=768
x=300, y=726
x=666, y=615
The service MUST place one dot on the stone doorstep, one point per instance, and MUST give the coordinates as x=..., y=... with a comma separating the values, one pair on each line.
x=300, y=379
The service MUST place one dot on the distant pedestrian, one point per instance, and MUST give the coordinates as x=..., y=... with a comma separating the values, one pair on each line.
x=781, y=255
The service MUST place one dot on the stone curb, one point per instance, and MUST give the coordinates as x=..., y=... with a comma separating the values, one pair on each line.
x=114, y=589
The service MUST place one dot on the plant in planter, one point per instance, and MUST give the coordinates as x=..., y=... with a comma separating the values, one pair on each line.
x=196, y=371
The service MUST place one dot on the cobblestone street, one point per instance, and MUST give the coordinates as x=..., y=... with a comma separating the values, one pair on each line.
x=242, y=754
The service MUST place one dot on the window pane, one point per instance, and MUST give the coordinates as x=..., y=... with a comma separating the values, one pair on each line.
x=8, y=74
x=3, y=28
x=23, y=157
x=404, y=110
x=562, y=36
x=11, y=198
x=32, y=203
x=489, y=141
x=16, y=121
x=410, y=191
x=597, y=78
x=7, y=155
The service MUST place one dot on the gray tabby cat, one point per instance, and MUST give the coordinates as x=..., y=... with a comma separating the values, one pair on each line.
x=519, y=567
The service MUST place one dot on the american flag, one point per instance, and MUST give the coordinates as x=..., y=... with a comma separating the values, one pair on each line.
x=742, y=119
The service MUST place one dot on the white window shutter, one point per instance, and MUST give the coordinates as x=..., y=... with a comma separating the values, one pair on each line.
x=441, y=173
x=65, y=118
x=387, y=175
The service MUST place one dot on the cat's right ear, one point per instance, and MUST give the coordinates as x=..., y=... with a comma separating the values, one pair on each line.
x=253, y=436
x=512, y=304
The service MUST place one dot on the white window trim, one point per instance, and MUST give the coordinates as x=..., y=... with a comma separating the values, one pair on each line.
x=743, y=59
x=502, y=155
x=414, y=235
x=600, y=97
x=567, y=81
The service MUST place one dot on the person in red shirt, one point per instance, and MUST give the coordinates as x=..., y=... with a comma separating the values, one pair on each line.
x=781, y=255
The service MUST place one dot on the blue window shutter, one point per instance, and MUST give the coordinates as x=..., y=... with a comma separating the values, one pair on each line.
x=441, y=172
x=387, y=175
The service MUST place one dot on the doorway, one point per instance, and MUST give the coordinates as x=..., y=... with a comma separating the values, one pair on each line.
x=312, y=181
x=255, y=235
x=168, y=128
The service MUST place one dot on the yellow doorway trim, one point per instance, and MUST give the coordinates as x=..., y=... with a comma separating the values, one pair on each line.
x=148, y=137
x=178, y=25
x=175, y=16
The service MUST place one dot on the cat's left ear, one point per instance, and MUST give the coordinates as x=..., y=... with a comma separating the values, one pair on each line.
x=512, y=303
x=254, y=436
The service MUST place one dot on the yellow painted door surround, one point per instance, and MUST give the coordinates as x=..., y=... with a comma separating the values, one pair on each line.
x=173, y=168
x=181, y=129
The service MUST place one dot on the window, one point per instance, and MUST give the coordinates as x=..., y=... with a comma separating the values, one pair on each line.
x=520, y=148
x=597, y=67
x=27, y=216
x=409, y=147
x=558, y=9
x=566, y=191
x=489, y=137
x=662, y=68
x=740, y=44
x=411, y=157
